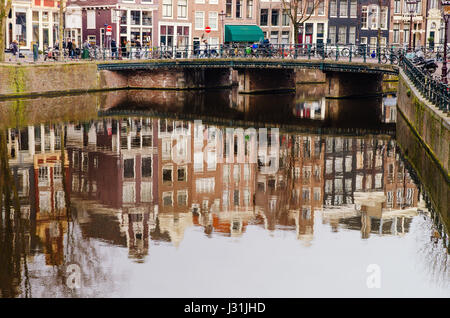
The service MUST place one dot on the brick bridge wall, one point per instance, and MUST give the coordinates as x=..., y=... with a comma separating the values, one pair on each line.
x=23, y=80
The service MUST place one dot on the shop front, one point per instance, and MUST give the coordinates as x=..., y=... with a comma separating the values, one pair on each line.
x=30, y=23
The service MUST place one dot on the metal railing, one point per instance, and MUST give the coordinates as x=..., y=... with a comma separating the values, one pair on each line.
x=356, y=53
x=433, y=89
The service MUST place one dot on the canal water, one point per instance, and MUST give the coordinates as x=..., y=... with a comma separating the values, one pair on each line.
x=184, y=194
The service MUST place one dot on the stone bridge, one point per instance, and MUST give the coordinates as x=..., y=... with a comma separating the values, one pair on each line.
x=344, y=79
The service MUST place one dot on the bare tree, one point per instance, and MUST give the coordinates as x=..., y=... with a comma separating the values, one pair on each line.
x=5, y=7
x=299, y=11
x=61, y=29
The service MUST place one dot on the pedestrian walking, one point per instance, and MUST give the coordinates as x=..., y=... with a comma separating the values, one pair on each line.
x=70, y=48
x=128, y=47
x=114, y=49
x=15, y=49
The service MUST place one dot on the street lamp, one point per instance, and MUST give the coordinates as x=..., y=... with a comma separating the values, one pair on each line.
x=446, y=14
x=222, y=17
x=412, y=7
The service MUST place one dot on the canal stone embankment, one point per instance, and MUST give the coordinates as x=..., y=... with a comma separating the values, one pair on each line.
x=431, y=125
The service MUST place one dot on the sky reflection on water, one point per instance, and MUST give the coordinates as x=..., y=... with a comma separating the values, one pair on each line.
x=139, y=224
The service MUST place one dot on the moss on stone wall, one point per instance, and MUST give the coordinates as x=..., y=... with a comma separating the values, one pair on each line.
x=429, y=126
x=21, y=80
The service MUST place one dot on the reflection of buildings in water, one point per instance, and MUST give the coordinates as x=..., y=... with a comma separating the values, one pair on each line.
x=227, y=223
x=136, y=168
x=174, y=225
x=50, y=202
x=290, y=195
x=113, y=162
x=311, y=109
x=389, y=111
x=400, y=189
x=369, y=174
x=352, y=164
x=35, y=159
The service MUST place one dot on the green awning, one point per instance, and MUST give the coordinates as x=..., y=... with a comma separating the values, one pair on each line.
x=243, y=33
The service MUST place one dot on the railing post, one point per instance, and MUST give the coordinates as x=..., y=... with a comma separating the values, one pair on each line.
x=324, y=51
x=378, y=54
x=309, y=52
x=350, y=55
x=364, y=53
x=337, y=52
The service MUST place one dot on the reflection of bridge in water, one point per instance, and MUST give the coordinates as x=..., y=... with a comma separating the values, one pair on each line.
x=343, y=79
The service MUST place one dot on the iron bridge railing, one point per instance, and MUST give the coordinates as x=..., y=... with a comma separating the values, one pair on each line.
x=364, y=53
x=433, y=89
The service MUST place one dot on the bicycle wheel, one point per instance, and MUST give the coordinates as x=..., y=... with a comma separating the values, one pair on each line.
x=345, y=52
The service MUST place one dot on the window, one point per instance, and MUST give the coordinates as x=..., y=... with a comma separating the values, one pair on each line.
x=181, y=174
x=204, y=185
x=228, y=8
x=182, y=9
x=285, y=21
x=91, y=19
x=199, y=20
x=374, y=17
x=236, y=173
x=146, y=18
x=213, y=20
x=167, y=198
x=383, y=17
x=182, y=197
x=274, y=20
x=321, y=7
x=274, y=37
x=310, y=7
x=146, y=167
x=226, y=173
x=333, y=8
x=236, y=197
x=183, y=40
x=406, y=33
x=397, y=6
x=373, y=45
x=249, y=9
x=264, y=17
x=352, y=35
x=396, y=37
x=353, y=8
x=364, y=18
x=167, y=174
x=128, y=168
x=167, y=8
x=332, y=34
x=135, y=17
x=285, y=37
x=343, y=8
x=238, y=8
x=146, y=191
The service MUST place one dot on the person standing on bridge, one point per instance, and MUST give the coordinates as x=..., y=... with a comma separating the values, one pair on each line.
x=128, y=48
x=113, y=49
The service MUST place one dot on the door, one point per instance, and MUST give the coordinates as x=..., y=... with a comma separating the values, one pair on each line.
x=196, y=45
x=308, y=39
